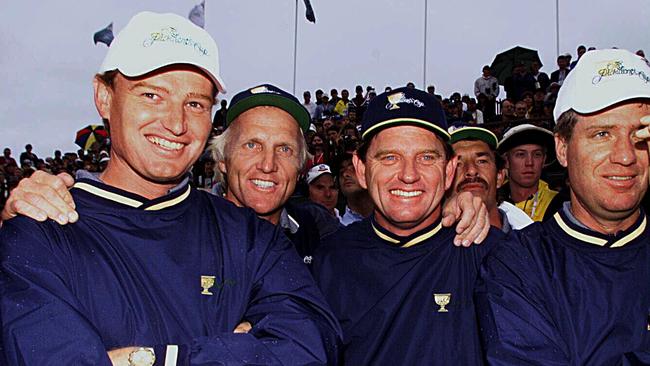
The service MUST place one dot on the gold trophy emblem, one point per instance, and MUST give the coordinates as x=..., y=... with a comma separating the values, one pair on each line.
x=393, y=100
x=207, y=282
x=442, y=300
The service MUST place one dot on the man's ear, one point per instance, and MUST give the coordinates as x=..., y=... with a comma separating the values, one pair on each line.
x=450, y=171
x=102, y=94
x=502, y=174
x=360, y=170
x=561, y=150
x=222, y=167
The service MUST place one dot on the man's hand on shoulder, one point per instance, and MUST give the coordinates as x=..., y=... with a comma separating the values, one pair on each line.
x=471, y=215
x=42, y=196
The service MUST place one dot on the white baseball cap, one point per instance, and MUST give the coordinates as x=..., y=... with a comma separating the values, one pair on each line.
x=526, y=134
x=151, y=41
x=316, y=171
x=603, y=78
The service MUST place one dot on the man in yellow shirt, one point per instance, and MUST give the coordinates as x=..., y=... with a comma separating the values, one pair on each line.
x=525, y=149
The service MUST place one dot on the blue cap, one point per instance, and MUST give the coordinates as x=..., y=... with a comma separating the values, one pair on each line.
x=268, y=95
x=404, y=106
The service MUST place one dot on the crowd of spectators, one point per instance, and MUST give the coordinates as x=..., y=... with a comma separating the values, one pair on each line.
x=530, y=96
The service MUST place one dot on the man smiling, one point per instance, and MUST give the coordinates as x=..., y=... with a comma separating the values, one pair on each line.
x=154, y=271
x=573, y=290
x=401, y=290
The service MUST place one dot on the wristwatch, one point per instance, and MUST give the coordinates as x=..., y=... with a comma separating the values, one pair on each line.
x=142, y=357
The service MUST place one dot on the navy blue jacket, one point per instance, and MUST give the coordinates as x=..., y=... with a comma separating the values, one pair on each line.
x=383, y=289
x=181, y=270
x=560, y=294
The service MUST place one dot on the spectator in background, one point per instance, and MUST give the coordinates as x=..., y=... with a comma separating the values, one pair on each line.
x=319, y=150
x=481, y=171
x=343, y=104
x=334, y=97
x=359, y=103
x=28, y=155
x=410, y=85
x=220, y=115
x=525, y=149
x=319, y=96
x=477, y=114
x=431, y=89
x=508, y=111
x=323, y=189
x=519, y=82
x=581, y=51
x=541, y=78
x=6, y=158
x=561, y=73
x=359, y=205
x=537, y=109
x=521, y=110
x=309, y=105
x=551, y=95
x=325, y=109
x=640, y=53
x=57, y=157
x=487, y=85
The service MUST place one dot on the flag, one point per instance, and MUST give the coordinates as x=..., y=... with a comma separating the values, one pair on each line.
x=197, y=14
x=105, y=35
x=310, y=12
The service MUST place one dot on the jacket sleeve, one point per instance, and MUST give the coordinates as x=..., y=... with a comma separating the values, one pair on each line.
x=292, y=323
x=42, y=322
x=516, y=327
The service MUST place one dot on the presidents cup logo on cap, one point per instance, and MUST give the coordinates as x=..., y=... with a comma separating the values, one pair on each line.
x=170, y=34
x=603, y=78
x=151, y=41
x=262, y=89
x=398, y=98
x=617, y=68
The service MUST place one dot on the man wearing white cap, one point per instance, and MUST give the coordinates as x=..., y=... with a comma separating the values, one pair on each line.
x=574, y=290
x=525, y=148
x=154, y=271
x=322, y=188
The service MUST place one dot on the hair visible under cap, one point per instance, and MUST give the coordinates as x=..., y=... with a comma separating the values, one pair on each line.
x=362, y=149
x=566, y=123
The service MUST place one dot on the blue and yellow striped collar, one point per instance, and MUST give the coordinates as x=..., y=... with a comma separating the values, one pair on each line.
x=406, y=241
x=97, y=188
x=592, y=237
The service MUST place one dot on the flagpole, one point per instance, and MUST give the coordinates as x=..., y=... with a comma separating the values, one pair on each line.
x=557, y=27
x=295, y=48
x=424, y=63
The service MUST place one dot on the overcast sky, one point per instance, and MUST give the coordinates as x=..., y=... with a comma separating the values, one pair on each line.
x=48, y=58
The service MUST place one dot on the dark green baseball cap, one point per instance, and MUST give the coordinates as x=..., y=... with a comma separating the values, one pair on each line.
x=268, y=95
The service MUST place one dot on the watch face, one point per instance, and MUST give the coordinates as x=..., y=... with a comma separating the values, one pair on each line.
x=142, y=357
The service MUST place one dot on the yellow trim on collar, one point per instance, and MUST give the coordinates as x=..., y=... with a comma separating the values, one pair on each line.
x=108, y=195
x=161, y=205
x=631, y=236
x=411, y=242
x=384, y=236
x=598, y=241
x=423, y=237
